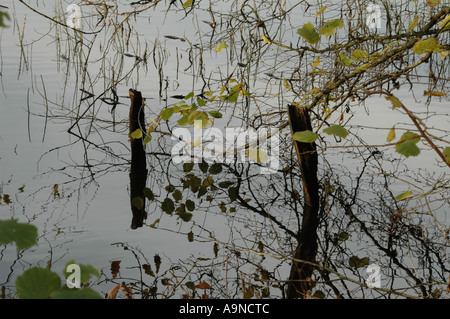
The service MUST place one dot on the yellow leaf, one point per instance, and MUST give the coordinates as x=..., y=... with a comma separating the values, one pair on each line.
x=136, y=134
x=286, y=84
x=188, y=3
x=413, y=24
x=434, y=93
x=257, y=155
x=443, y=54
x=391, y=134
x=153, y=120
x=445, y=24
x=395, y=101
x=320, y=11
x=316, y=62
x=221, y=46
x=266, y=39
x=433, y=3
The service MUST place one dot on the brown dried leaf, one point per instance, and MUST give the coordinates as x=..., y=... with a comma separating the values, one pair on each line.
x=127, y=291
x=113, y=292
x=148, y=270
x=115, y=267
x=203, y=285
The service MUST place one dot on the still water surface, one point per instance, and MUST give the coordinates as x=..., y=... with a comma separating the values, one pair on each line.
x=84, y=219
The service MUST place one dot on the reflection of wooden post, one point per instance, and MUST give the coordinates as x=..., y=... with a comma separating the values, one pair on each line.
x=300, y=276
x=138, y=171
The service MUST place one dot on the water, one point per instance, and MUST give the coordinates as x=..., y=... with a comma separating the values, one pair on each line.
x=87, y=217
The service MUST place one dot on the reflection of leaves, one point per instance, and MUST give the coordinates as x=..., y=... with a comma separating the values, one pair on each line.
x=191, y=236
x=24, y=235
x=190, y=205
x=203, y=285
x=137, y=202
x=168, y=206
x=356, y=262
x=149, y=194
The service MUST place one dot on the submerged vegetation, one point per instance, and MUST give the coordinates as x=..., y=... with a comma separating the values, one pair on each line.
x=355, y=195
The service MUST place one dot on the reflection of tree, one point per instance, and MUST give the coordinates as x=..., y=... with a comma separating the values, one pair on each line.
x=357, y=218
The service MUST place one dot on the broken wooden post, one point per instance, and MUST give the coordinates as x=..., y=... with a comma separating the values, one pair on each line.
x=138, y=171
x=300, y=277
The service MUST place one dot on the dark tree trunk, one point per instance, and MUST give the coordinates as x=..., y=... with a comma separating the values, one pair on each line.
x=300, y=277
x=138, y=171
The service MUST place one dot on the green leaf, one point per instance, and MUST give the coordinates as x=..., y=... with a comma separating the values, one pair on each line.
x=403, y=196
x=344, y=59
x=447, y=154
x=24, y=235
x=147, y=139
x=407, y=148
x=167, y=113
x=168, y=206
x=343, y=236
x=221, y=46
x=201, y=102
x=305, y=136
x=309, y=33
x=184, y=120
x=356, y=262
x=330, y=27
x=85, y=271
x=425, y=46
x=189, y=95
x=359, y=55
x=395, y=101
x=136, y=134
x=68, y=293
x=187, y=3
x=407, y=145
x=215, y=114
x=37, y=283
x=233, y=97
x=336, y=130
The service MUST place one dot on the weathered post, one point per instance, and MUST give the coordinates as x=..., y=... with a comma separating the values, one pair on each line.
x=300, y=276
x=138, y=171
